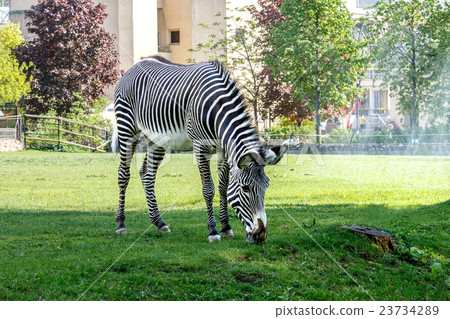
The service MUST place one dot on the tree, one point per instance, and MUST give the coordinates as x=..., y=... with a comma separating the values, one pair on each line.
x=13, y=80
x=238, y=51
x=277, y=98
x=314, y=51
x=71, y=52
x=411, y=54
x=241, y=49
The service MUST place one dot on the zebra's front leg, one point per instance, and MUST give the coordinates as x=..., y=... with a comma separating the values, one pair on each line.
x=224, y=176
x=148, y=171
x=203, y=156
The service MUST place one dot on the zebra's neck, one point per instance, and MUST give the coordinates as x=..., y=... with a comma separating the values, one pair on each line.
x=236, y=133
x=232, y=124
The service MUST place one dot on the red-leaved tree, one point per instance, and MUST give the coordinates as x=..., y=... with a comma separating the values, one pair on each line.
x=277, y=97
x=71, y=53
x=277, y=100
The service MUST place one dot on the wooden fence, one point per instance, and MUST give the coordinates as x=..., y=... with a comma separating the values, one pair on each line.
x=59, y=130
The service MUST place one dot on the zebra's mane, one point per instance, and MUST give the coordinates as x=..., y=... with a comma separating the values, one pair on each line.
x=164, y=60
x=251, y=142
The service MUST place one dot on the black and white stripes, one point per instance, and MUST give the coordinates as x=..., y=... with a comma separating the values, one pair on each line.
x=197, y=107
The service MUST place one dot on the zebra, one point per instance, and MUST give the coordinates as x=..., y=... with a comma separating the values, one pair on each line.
x=197, y=107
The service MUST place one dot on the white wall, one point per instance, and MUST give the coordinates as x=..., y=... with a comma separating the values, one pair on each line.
x=145, y=28
x=204, y=11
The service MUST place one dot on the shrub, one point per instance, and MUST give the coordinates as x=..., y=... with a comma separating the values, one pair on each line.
x=286, y=127
x=338, y=136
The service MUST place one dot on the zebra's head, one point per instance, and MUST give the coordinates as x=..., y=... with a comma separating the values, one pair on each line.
x=247, y=189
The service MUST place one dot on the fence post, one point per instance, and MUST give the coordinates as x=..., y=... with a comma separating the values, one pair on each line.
x=18, y=128
x=93, y=134
x=59, y=140
x=24, y=131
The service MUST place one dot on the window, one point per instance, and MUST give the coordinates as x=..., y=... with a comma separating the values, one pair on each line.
x=365, y=3
x=369, y=75
x=360, y=32
x=377, y=100
x=175, y=37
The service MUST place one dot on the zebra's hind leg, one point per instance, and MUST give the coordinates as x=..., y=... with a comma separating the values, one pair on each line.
x=224, y=176
x=203, y=156
x=126, y=155
x=152, y=160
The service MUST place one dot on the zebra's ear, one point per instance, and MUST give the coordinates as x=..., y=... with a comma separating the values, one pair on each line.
x=247, y=158
x=275, y=154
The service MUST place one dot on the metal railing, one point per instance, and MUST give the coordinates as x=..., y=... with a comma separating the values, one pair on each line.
x=349, y=137
x=11, y=127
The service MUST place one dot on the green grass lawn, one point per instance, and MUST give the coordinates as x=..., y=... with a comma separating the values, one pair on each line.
x=57, y=232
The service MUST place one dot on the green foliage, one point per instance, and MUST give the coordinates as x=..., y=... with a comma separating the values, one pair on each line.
x=89, y=113
x=286, y=121
x=344, y=136
x=412, y=54
x=288, y=129
x=83, y=112
x=287, y=126
x=313, y=49
x=13, y=80
x=381, y=137
x=338, y=136
x=422, y=256
x=58, y=225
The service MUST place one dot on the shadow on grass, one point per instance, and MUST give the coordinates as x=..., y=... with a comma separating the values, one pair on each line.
x=56, y=255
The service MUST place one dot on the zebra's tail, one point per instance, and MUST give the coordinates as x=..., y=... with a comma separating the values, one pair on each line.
x=115, y=141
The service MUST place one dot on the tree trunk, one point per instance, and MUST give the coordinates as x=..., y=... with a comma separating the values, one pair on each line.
x=317, y=88
x=255, y=114
x=383, y=240
x=317, y=115
x=414, y=124
x=414, y=114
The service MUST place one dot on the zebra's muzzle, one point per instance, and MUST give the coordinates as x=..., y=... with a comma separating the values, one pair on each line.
x=259, y=234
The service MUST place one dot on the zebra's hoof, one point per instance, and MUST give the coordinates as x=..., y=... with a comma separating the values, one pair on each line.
x=227, y=234
x=121, y=231
x=164, y=229
x=213, y=238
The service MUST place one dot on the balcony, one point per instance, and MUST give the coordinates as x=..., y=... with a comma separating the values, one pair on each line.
x=373, y=75
x=165, y=53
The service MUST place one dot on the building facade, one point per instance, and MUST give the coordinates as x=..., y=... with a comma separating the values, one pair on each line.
x=171, y=27
x=376, y=104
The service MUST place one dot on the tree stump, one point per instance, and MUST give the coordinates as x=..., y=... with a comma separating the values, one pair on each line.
x=383, y=240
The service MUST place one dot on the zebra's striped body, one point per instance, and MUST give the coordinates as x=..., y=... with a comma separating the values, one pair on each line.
x=190, y=107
